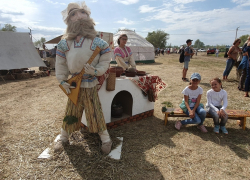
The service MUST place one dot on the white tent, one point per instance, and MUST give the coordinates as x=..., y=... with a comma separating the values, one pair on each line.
x=143, y=51
x=17, y=51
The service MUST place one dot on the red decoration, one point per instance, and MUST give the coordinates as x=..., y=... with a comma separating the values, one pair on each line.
x=150, y=81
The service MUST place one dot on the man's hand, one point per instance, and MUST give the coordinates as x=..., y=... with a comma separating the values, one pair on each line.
x=67, y=87
x=90, y=70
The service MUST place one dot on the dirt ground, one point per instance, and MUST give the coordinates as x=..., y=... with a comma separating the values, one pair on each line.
x=31, y=116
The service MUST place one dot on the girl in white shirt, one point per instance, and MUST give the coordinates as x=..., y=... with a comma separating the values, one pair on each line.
x=214, y=106
x=191, y=104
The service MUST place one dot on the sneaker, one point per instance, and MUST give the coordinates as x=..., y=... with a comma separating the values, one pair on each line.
x=178, y=125
x=106, y=147
x=185, y=80
x=202, y=128
x=223, y=129
x=217, y=129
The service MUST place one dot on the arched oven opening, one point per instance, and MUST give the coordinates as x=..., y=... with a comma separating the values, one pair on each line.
x=121, y=106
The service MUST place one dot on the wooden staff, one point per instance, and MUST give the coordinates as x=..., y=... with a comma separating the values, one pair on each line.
x=76, y=80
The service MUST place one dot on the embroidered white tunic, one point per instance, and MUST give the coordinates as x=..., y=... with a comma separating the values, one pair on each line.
x=124, y=57
x=72, y=56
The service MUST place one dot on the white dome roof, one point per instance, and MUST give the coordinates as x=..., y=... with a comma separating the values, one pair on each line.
x=133, y=39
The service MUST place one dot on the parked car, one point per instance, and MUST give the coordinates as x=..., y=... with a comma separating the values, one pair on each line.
x=211, y=51
x=201, y=50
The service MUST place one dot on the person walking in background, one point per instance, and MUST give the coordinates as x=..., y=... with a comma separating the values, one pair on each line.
x=217, y=52
x=44, y=54
x=232, y=57
x=247, y=82
x=162, y=52
x=53, y=52
x=191, y=104
x=215, y=97
x=188, y=53
x=243, y=65
x=37, y=49
x=156, y=52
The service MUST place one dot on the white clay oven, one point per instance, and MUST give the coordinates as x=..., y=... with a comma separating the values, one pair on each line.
x=128, y=94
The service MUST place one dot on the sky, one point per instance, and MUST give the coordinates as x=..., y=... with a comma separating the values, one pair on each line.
x=211, y=21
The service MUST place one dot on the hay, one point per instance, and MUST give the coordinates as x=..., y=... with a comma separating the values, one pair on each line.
x=31, y=117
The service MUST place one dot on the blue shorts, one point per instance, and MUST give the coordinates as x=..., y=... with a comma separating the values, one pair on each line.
x=186, y=64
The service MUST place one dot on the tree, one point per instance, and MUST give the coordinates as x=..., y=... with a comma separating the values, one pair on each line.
x=40, y=42
x=243, y=39
x=198, y=44
x=9, y=27
x=158, y=38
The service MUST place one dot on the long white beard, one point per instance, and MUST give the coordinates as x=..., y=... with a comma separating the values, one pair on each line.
x=82, y=27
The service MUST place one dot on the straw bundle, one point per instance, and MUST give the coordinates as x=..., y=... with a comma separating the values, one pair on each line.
x=88, y=99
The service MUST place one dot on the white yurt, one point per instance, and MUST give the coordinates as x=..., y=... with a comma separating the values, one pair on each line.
x=143, y=51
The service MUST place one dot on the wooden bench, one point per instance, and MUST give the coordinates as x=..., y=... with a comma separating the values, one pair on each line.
x=232, y=114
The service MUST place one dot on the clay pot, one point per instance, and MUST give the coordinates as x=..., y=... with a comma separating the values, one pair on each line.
x=140, y=73
x=130, y=74
x=117, y=69
x=116, y=112
x=112, y=69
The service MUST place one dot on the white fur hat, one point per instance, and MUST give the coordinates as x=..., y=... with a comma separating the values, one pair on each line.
x=74, y=6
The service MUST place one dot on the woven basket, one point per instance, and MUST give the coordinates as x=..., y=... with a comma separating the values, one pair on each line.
x=111, y=82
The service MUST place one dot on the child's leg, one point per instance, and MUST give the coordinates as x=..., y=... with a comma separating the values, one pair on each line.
x=215, y=116
x=201, y=113
x=195, y=120
x=223, y=121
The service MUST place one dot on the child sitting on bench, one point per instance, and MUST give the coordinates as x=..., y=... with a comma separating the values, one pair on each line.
x=215, y=96
x=191, y=104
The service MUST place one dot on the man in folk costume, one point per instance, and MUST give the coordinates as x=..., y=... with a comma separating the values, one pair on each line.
x=73, y=51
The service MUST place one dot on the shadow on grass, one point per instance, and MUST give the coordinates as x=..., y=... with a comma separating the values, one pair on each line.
x=233, y=80
x=237, y=139
x=152, y=64
x=138, y=137
x=2, y=128
x=205, y=84
x=19, y=80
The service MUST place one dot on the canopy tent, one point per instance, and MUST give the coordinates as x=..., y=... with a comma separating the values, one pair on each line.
x=55, y=40
x=143, y=51
x=17, y=51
